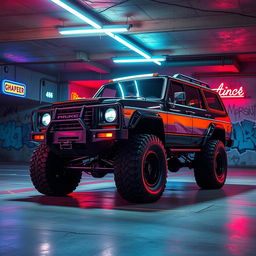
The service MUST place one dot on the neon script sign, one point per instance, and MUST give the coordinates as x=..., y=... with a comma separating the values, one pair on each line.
x=13, y=88
x=226, y=92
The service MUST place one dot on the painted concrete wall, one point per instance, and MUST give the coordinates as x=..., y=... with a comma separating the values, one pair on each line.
x=242, y=112
x=15, y=112
x=37, y=84
x=14, y=133
x=15, y=123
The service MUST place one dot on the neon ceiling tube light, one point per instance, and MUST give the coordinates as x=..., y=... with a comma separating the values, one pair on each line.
x=88, y=19
x=132, y=46
x=72, y=9
x=138, y=59
x=134, y=77
x=86, y=30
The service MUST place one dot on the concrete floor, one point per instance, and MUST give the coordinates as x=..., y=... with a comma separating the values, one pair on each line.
x=94, y=220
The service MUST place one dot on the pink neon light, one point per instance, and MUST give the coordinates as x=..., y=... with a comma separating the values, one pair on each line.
x=226, y=92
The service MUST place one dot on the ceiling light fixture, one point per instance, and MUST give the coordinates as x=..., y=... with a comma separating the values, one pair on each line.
x=85, y=30
x=72, y=9
x=138, y=59
x=88, y=19
x=134, y=77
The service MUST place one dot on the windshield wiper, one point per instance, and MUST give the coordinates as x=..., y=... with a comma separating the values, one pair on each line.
x=137, y=97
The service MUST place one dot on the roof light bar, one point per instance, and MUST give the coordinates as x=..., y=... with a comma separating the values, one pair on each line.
x=86, y=30
x=72, y=9
x=88, y=19
x=132, y=77
x=138, y=59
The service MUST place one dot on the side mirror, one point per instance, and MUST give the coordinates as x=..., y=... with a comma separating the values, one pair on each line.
x=179, y=97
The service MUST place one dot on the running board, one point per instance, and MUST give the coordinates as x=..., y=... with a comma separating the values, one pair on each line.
x=185, y=149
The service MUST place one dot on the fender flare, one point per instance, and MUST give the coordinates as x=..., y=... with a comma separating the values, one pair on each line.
x=213, y=128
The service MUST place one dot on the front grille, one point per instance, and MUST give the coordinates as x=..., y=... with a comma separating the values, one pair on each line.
x=67, y=126
x=68, y=113
x=88, y=117
x=63, y=117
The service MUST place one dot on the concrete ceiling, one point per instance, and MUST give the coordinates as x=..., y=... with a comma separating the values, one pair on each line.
x=188, y=32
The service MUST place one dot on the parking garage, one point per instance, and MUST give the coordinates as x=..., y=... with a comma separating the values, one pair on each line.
x=56, y=52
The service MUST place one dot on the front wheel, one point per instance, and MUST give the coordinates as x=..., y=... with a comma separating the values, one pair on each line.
x=211, y=165
x=141, y=169
x=48, y=173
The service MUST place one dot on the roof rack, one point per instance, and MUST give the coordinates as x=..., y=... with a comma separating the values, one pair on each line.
x=191, y=79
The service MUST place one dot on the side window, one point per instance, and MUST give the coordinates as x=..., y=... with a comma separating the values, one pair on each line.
x=213, y=101
x=193, y=97
x=176, y=87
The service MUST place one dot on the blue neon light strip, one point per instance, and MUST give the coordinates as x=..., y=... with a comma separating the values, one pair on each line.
x=137, y=88
x=134, y=77
x=86, y=30
x=86, y=18
x=72, y=9
x=121, y=90
x=138, y=59
x=19, y=86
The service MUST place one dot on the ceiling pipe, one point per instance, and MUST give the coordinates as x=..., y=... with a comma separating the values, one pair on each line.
x=192, y=63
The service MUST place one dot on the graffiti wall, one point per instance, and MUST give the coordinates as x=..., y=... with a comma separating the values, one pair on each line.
x=243, y=115
x=14, y=133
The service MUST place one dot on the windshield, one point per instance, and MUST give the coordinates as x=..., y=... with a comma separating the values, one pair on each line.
x=145, y=88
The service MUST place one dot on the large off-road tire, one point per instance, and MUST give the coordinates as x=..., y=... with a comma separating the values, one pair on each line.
x=48, y=174
x=211, y=165
x=140, y=169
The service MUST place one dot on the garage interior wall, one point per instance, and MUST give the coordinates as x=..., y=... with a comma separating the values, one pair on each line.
x=15, y=145
x=242, y=111
x=15, y=122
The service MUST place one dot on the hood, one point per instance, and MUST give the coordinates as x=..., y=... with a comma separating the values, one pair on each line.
x=125, y=102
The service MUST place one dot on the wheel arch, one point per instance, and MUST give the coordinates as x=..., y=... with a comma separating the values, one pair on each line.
x=147, y=123
x=216, y=132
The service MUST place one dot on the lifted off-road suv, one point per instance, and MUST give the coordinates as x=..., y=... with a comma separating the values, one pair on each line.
x=137, y=128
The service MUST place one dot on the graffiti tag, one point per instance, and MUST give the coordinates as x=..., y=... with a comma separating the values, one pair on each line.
x=16, y=136
x=238, y=112
x=244, y=135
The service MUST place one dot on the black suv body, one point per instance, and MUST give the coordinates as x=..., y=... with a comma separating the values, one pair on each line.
x=136, y=127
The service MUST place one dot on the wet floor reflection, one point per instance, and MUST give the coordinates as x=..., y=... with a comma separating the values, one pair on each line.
x=177, y=195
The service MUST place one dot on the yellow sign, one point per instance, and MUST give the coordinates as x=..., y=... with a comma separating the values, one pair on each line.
x=13, y=88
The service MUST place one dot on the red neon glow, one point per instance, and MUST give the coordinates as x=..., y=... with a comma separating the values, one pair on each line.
x=84, y=89
x=226, y=92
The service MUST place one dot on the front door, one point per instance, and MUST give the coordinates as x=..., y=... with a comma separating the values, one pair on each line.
x=179, y=127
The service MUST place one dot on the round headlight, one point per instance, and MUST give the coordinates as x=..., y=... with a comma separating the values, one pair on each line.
x=46, y=119
x=110, y=115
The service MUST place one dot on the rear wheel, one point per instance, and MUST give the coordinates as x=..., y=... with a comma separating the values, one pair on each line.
x=48, y=173
x=211, y=165
x=141, y=168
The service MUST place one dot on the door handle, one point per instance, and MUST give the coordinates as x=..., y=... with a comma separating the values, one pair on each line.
x=208, y=115
x=175, y=110
x=190, y=112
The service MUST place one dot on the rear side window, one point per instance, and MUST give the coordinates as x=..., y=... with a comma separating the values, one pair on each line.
x=213, y=101
x=193, y=97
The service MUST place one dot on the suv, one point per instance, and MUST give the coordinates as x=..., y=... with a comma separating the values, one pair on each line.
x=137, y=128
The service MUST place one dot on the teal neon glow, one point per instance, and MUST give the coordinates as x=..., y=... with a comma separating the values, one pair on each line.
x=86, y=18
x=132, y=77
x=86, y=30
x=130, y=45
x=138, y=59
x=137, y=88
x=72, y=9
x=121, y=90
